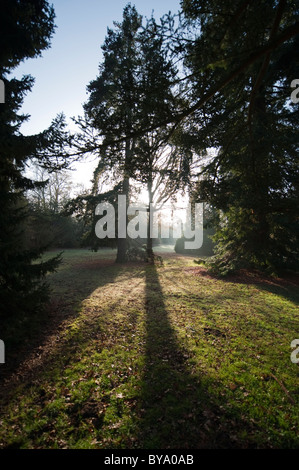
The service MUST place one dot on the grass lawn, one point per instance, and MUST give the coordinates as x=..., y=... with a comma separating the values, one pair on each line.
x=153, y=357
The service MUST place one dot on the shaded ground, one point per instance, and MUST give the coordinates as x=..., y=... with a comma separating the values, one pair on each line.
x=71, y=285
x=142, y=356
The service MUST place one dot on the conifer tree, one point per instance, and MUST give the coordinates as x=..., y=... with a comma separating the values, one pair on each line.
x=133, y=92
x=111, y=109
x=253, y=180
x=26, y=29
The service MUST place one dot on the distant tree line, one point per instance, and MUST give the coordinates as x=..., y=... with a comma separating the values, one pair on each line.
x=47, y=225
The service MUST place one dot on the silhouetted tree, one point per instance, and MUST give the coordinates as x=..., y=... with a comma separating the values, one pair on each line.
x=253, y=179
x=133, y=91
x=26, y=28
x=111, y=109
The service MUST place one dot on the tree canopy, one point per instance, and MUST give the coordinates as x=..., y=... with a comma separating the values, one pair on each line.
x=252, y=123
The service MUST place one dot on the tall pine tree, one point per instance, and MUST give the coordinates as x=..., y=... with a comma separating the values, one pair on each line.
x=26, y=28
x=253, y=180
x=133, y=92
x=112, y=106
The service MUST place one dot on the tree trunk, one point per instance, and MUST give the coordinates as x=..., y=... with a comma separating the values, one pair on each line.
x=122, y=242
x=149, y=246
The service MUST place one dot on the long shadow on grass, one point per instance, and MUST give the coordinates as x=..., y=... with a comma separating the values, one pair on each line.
x=178, y=411
x=27, y=340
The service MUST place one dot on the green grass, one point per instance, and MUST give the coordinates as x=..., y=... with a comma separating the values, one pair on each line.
x=141, y=356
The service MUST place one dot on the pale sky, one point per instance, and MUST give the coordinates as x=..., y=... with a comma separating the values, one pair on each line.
x=63, y=72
